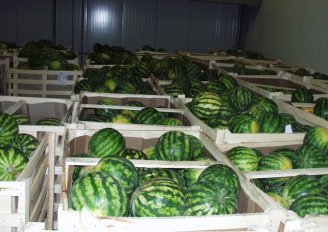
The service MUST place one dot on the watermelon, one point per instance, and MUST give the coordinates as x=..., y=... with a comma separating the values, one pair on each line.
x=264, y=105
x=243, y=124
x=300, y=128
x=321, y=108
x=226, y=112
x=106, y=142
x=259, y=154
x=159, y=197
x=150, y=152
x=289, y=153
x=130, y=153
x=241, y=98
x=244, y=158
x=287, y=118
x=302, y=95
x=279, y=199
x=174, y=146
x=77, y=169
x=122, y=170
x=271, y=123
x=217, y=123
x=8, y=129
x=82, y=86
x=206, y=104
x=148, y=174
x=48, y=121
x=324, y=183
x=227, y=81
x=312, y=204
x=148, y=116
x=12, y=163
x=21, y=119
x=26, y=143
x=275, y=161
x=317, y=137
x=174, y=90
x=172, y=122
x=221, y=174
x=198, y=148
x=122, y=119
x=311, y=157
x=100, y=193
x=191, y=174
x=261, y=185
x=209, y=198
x=132, y=113
x=299, y=186
x=106, y=114
x=126, y=87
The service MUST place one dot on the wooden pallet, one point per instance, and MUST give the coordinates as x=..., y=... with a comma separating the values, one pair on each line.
x=30, y=196
x=41, y=83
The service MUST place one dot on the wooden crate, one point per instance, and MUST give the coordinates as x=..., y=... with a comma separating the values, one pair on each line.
x=30, y=196
x=87, y=109
x=160, y=84
x=41, y=83
x=227, y=140
x=154, y=54
x=252, y=210
x=282, y=86
x=17, y=60
x=320, y=83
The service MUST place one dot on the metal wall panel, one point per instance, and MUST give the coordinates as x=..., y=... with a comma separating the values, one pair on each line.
x=294, y=31
x=64, y=22
x=8, y=20
x=34, y=20
x=213, y=25
x=139, y=23
x=172, y=24
x=104, y=23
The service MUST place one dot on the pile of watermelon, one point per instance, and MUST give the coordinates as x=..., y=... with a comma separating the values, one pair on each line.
x=15, y=148
x=147, y=115
x=226, y=105
x=115, y=187
x=23, y=119
x=116, y=79
x=302, y=194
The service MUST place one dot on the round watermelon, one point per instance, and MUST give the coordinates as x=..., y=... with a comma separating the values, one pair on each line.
x=244, y=158
x=150, y=173
x=206, y=104
x=271, y=123
x=244, y=124
x=8, y=129
x=210, y=198
x=172, y=122
x=150, y=152
x=48, y=121
x=26, y=143
x=122, y=170
x=241, y=98
x=311, y=157
x=191, y=174
x=101, y=194
x=105, y=114
x=174, y=146
x=159, y=197
x=122, y=119
x=13, y=162
x=130, y=153
x=310, y=205
x=289, y=153
x=302, y=95
x=198, y=148
x=148, y=116
x=317, y=137
x=21, y=119
x=279, y=199
x=106, y=142
x=321, y=108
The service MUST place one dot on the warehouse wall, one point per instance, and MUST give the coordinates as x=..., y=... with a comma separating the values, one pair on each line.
x=294, y=31
x=171, y=24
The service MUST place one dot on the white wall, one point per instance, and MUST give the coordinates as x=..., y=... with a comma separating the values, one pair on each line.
x=294, y=31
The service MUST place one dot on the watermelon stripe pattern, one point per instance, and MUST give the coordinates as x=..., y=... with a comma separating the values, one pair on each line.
x=244, y=158
x=321, y=108
x=174, y=146
x=100, y=193
x=206, y=105
x=317, y=137
x=106, y=142
x=241, y=98
x=148, y=116
x=48, y=121
x=26, y=143
x=12, y=163
x=160, y=197
x=310, y=205
x=8, y=128
x=311, y=157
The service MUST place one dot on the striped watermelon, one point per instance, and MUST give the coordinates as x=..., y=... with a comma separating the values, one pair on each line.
x=13, y=162
x=174, y=146
x=126, y=87
x=317, y=137
x=196, y=89
x=287, y=118
x=159, y=197
x=221, y=174
x=77, y=169
x=243, y=124
x=261, y=185
x=209, y=198
x=8, y=129
x=227, y=81
x=321, y=108
x=106, y=142
x=310, y=205
x=271, y=123
x=172, y=122
x=264, y=105
x=244, y=158
x=82, y=86
x=324, y=183
x=279, y=199
x=215, y=87
x=151, y=173
x=191, y=174
x=122, y=119
x=132, y=113
x=275, y=161
x=130, y=153
x=226, y=112
x=148, y=116
x=48, y=121
x=21, y=119
x=174, y=90
x=100, y=193
x=206, y=104
x=300, y=128
x=198, y=148
x=299, y=186
x=259, y=154
x=289, y=153
x=26, y=143
x=311, y=157
x=122, y=170
x=302, y=95
x=105, y=114
x=217, y=123
x=150, y=152
x=241, y=98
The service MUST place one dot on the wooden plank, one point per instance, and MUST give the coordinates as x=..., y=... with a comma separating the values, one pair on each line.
x=51, y=173
x=15, y=107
